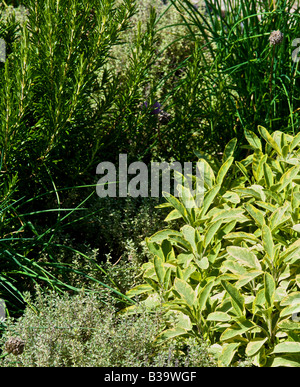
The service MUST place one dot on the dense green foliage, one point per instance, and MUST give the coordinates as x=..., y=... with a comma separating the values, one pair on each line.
x=253, y=82
x=84, y=81
x=232, y=271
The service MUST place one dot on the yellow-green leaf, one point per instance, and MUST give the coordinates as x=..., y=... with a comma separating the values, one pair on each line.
x=259, y=301
x=232, y=197
x=278, y=217
x=243, y=236
x=187, y=198
x=266, y=135
x=244, y=256
x=169, y=334
x=243, y=170
x=202, y=263
x=177, y=205
x=229, y=149
x=175, y=214
x=204, y=294
x=237, y=330
x=190, y=234
x=268, y=175
x=293, y=309
x=237, y=299
x=256, y=214
x=288, y=177
x=223, y=170
x=234, y=267
x=253, y=139
x=267, y=206
x=209, y=176
x=287, y=347
x=232, y=214
x=289, y=325
x=185, y=259
x=251, y=191
x=227, y=353
x=159, y=269
x=162, y=235
x=269, y=285
x=139, y=289
x=260, y=169
x=247, y=277
x=296, y=227
x=209, y=197
x=185, y=291
x=292, y=298
x=212, y=229
x=292, y=253
x=256, y=164
x=218, y=316
x=267, y=241
x=255, y=345
x=286, y=361
x=295, y=142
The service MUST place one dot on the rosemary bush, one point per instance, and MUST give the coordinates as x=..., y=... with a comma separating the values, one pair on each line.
x=48, y=130
x=47, y=83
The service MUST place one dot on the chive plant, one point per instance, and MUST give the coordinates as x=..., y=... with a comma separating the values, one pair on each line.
x=247, y=81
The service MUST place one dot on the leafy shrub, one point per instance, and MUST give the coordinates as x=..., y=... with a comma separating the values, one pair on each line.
x=112, y=239
x=232, y=272
x=48, y=80
x=80, y=331
x=123, y=225
x=43, y=129
x=53, y=58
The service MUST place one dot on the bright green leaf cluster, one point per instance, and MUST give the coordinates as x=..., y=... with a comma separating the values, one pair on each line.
x=233, y=269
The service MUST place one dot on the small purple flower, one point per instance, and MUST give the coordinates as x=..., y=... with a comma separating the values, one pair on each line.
x=156, y=107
